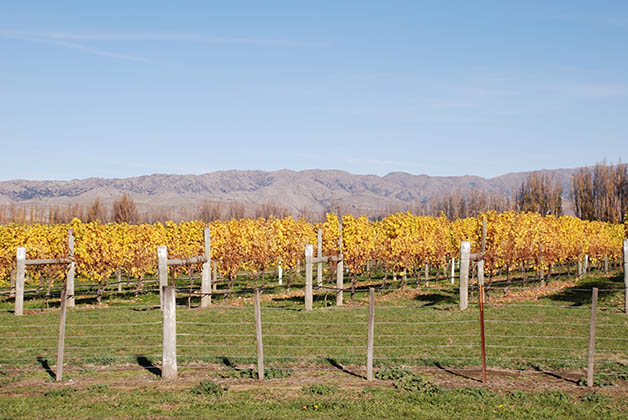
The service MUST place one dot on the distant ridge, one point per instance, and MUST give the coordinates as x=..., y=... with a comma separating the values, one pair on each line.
x=312, y=190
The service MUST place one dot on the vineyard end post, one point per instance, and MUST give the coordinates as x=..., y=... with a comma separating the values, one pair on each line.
x=591, y=360
x=319, y=254
x=465, y=256
x=19, y=281
x=206, y=273
x=71, y=269
x=371, y=332
x=258, y=335
x=61, y=343
x=309, y=253
x=169, y=349
x=162, y=264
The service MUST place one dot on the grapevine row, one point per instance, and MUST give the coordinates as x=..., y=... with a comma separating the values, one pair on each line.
x=401, y=243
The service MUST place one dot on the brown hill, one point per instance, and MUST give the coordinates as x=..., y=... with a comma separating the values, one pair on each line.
x=299, y=191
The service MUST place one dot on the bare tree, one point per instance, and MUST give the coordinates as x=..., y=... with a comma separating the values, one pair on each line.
x=97, y=212
x=125, y=210
x=601, y=192
x=210, y=211
x=539, y=193
x=268, y=209
x=236, y=210
x=457, y=205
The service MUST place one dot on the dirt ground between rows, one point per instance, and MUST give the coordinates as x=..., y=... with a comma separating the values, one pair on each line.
x=129, y=377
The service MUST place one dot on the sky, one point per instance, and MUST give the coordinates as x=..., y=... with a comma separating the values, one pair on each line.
x=128, y=88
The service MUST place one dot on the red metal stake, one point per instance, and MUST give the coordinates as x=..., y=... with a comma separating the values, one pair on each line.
x=482, y=333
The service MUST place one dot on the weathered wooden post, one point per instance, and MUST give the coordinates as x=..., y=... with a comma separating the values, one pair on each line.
x=12, y=287
x=453, y=269
x=309, y=254
x=258, y=335
x=319, y=254
x=19, y=281
x=626, y=276
x=162, y=267
x=61, y=342
x=541, y=261
x=340, y=270
x=71, y=269
x=465, y=256
x=605, y=264
x=591, y=361
x=371, y=333
x=206, y=275
x=169, y=346
x=119, y=279
x=427, y=275
x=215, y=277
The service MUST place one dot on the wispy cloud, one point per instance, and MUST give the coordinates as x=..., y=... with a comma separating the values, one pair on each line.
x=72, y=45
x=156, y=36
x=77, y=40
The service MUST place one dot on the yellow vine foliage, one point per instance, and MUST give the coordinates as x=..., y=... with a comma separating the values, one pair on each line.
x=401, y=242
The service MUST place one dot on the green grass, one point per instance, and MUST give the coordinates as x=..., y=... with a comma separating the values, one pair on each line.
x=121, y=340
x=417, y=330
x=364, y=402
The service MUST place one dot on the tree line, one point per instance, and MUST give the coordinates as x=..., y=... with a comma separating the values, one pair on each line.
x=597, y=193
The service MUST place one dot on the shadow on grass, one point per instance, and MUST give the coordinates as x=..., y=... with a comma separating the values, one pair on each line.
x=147, y=364
x=454, y=373
x=44, y=363
x=297, y=303
x=554, y=375
x=581, y=293
x=434, y=299
x=338, y=366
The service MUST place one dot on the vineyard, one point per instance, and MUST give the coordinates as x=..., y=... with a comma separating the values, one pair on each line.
x=542, y=326
x=399, y=244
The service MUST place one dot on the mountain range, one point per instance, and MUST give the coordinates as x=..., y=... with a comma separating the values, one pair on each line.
x=297, y=191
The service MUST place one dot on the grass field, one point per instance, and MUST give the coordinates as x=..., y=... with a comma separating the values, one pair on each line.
x=537, y=342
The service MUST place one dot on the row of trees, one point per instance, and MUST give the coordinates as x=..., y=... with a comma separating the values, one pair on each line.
x=601, y=192
x=598, y=193
x=401, y=242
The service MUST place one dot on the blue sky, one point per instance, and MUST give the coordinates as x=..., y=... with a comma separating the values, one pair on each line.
x=126, y=88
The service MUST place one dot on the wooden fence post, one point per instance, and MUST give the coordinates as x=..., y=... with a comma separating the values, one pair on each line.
x=162, y=266
x=465, y=256
x=206, y=274
x=592, y=339
x=258, y=335
x=340, y=270
x=427, y=275
x=119, y=279
x=19, y=281
x=626, y=276
x=169, y=349
x=309, y=253
x=215, y=277
x=12, y=286
x=371, y=332
x=61, y=342
x=319, y=254
x=71, y=269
